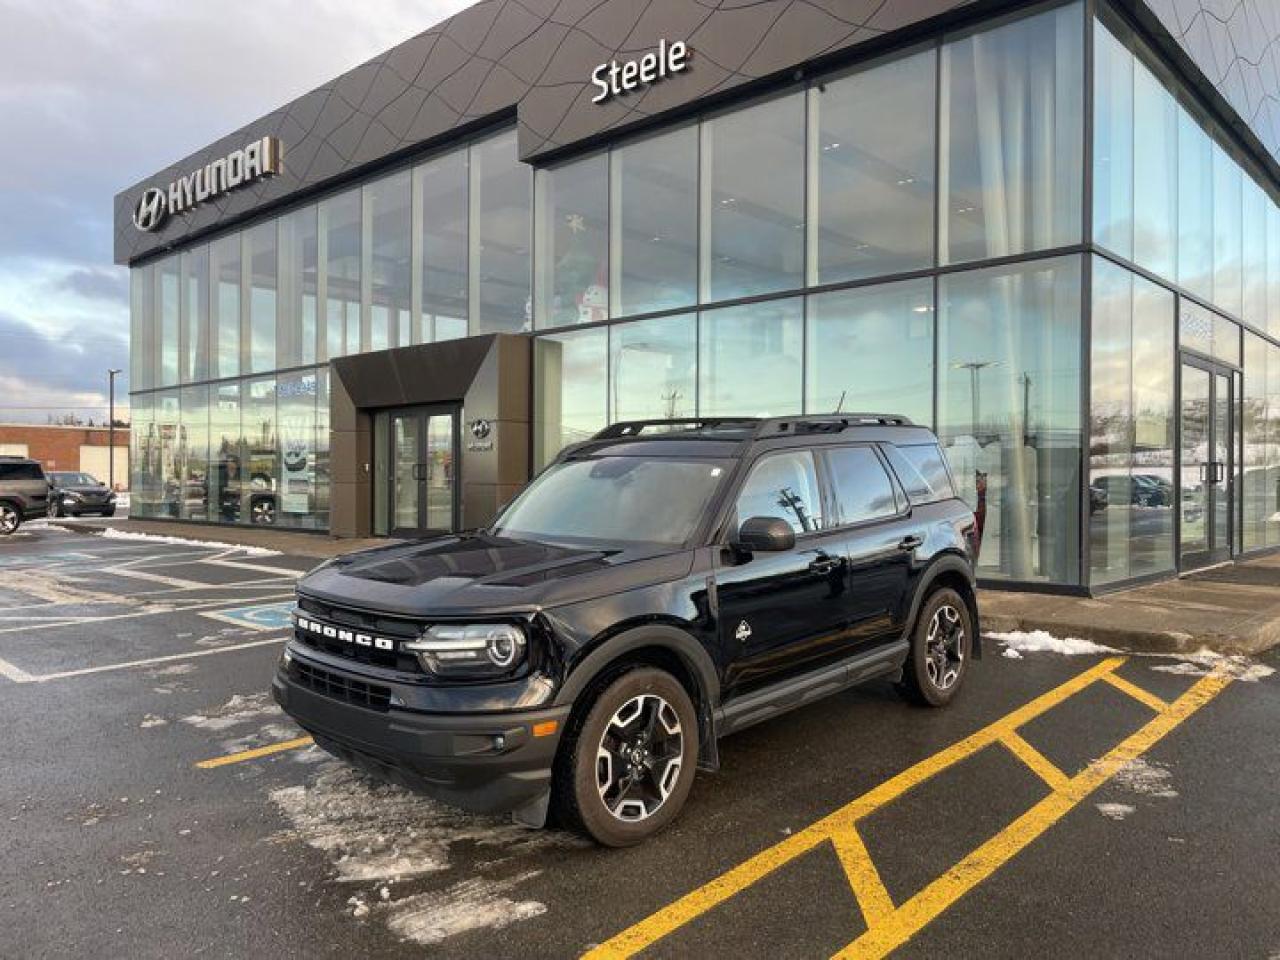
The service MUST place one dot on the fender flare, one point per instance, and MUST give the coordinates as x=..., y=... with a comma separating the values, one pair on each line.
x=947, y=563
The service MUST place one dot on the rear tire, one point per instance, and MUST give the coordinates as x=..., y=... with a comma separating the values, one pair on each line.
x=625, y=769
x=10, y=519
x=941, y=648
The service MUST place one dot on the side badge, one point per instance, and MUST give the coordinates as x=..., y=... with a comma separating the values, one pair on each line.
x=743, y=633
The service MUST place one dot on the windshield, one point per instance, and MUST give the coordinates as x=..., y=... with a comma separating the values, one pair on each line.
x=615, y=499
x=74, y=479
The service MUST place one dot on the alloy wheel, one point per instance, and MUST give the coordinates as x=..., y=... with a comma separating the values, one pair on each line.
x=944, y=647
x=8, y=519
x=263, y=512
x=639, y=758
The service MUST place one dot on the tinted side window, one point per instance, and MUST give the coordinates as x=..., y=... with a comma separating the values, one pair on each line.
x=20, y=471
x=922, y=471
x=862, y=487
x=784, y=485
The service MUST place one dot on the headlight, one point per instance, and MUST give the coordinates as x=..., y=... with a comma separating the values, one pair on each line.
x=71, y=498
x=472, y=650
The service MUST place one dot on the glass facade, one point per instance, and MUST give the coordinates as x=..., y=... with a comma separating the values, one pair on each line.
x=907, y=235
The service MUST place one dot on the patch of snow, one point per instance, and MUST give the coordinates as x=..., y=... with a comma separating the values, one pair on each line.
x=1041, y=641
x=1146, y=778
x=266, y=734
x=239, y=709
x=1011, y=654
x=1204, y=662
x=151, y=720
x=1115, y=811
x=470, y=905
x=112, y=533
x=173, y=670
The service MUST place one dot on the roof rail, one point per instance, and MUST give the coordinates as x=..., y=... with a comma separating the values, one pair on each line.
x=633, y=428
x=830, y=422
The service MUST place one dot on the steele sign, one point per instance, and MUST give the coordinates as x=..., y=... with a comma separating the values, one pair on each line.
x=251, y=163
x=614, y=78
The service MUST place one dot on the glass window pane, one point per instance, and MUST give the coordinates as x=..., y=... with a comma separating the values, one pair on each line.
x=875, y=173
x=225, y=452
x=1012, y=129
x=1254, y=245
x=259, y=468
x=142, y=367
x=1272, y=484
x=296, y=482
x=1009, y=412
x=1155, y=193
x=443, y=193
x=1110, y=423
x=863, y=490
x=1259, y=499
x=1154, y=357
x=501, y=205
x=262, y=255
x=1227, y=232
x=572, y=248
x=167, y=306
x=784, y=485
x=195, y=314
x=750, y=360
x=871, y=349
x=141, y=443
x=165, y=496
x=1195, y=327
x=753, y=199
x=224, y=309
x=1195, y=206
x=388, y=206
x=654, y=368
x=655, y=223
x=339, y=228
x=296, y=343
x=569, y=399
x=1113, y=142
x=922, y=471
x=193, y=454
x=321, y=478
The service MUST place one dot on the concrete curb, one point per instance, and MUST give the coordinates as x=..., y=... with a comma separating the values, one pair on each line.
x=1131, y=640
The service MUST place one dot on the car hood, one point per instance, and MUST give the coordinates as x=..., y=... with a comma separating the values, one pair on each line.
x=481, y=573
x=81, y=487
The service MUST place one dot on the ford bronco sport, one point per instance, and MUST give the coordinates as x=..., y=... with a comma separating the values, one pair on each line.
x=655, y=588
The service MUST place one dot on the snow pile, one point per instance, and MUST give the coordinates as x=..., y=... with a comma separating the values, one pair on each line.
x=1204, y=662
x=1115, y=811
x=1018, y=642
x=1147, y=778
x=239, y=709
x=470, y=905
x=111, y=533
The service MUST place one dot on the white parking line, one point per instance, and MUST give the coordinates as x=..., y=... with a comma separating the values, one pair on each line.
x=258, y=567
x=9, y=671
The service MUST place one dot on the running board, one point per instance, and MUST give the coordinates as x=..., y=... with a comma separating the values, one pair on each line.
x=760, y=705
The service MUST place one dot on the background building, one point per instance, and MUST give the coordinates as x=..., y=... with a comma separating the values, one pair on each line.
x=1049, y=230
x=86, y=449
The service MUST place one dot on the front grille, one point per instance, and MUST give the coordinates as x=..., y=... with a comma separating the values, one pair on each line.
x=397, y=629
x=372, y=696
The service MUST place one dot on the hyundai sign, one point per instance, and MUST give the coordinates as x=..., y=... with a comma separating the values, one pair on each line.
x=249, y=164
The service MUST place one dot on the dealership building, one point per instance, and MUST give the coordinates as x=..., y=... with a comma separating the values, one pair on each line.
x=1050, y=231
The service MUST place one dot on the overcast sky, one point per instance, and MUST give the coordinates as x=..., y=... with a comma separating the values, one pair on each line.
x=97, y=94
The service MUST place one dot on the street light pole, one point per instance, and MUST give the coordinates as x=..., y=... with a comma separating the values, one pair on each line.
x=111, y=429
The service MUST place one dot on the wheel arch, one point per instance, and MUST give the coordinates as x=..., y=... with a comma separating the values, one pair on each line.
x=953, y=571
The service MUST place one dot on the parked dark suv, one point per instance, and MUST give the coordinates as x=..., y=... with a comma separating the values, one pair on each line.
x=75, y=494
x=24, y=492
x=654, y=589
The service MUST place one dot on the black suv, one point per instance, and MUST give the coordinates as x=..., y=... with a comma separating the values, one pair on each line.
x=76, y=494
x=654, y=589
x=24, y=492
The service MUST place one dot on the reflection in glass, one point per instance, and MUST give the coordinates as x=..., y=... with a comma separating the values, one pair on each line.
x=259, y=490
x=404, y=472
x=572, y=248
x=387, y=264
x=653, y=367
x=1195, y=206
x=874, y=190
x=655, y=223
x=224, y=310
x=862, y=489
x=167, y=302
x=322, y=450
x=1155, y=193
x=296, y=340
x=439, y=472
x=1258, y=499
x=141, y=434
x=142, y=367
x=195, y=314
x=1113, y=142
x=1254, y=246
x=784, y=485
x=261, y=254
x=165, y=496
x=569, y=399
x=1194, y=440
x=441, y=185
x=501, y=203
x=296, y=481
x=192, y=454
x=753, y=199
x=1009, y=412
x=750, y=360
x=1272, y=484
x=871, y=348
x=1227, y=255
x=225, y=453
x=340, y=226
x=1012, y=116
x=1272, y=326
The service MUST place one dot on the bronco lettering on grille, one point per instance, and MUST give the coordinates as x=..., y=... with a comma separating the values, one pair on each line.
x=351, y=637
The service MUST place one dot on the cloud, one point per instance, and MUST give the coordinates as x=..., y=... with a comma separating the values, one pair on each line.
x=97, y=284
x=42, y=373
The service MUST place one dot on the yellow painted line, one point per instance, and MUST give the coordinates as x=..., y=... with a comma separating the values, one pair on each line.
x=938, y=896
x=1033, y=758
x=254, y=754
x=695, y=904
x=1132, y=689
x=863, y=876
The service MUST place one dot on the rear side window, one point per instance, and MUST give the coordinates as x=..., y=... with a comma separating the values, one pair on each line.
x=922, y=471
x=863, y=489
x=20, y=471
x=784, y=485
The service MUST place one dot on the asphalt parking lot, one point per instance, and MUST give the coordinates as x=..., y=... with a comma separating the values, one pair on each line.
x=155, y=803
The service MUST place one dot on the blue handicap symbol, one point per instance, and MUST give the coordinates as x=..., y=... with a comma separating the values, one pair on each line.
x=266, y=616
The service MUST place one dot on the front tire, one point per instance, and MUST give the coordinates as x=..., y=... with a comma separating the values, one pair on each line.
x=10, y=519
x=625, y=771
x=941, y=648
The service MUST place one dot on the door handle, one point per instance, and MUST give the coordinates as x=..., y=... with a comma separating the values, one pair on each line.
x=824, y=564
x=910, y=542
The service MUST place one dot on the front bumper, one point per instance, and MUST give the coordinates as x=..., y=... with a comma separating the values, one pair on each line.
x=481, y=762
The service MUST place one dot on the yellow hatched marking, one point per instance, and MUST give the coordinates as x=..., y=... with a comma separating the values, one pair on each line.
x=863, y=876
x=1135, y=691
x=254, y=754
x=1033, y=758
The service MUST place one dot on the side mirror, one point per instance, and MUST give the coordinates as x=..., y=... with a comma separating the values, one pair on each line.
x=769, y=534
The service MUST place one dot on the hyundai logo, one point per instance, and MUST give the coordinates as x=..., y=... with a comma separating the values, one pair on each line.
x=151, y=209
x=481, y=429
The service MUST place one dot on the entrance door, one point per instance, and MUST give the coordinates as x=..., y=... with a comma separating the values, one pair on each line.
x=422, y=477
x=1206, y=441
